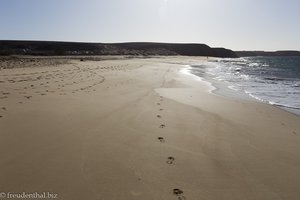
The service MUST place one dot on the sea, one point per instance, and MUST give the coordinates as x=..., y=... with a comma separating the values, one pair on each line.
x=272, y=80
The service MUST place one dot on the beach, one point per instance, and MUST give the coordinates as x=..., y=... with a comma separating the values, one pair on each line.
x=140, y=128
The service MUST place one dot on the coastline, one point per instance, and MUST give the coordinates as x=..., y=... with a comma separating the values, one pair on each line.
x=227, y=89
x=141, y=129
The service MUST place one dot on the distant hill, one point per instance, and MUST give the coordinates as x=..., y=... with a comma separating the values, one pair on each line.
x=133, y=48
x=267, y=53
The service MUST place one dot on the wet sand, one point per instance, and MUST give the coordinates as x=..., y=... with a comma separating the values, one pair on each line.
x=140, y=129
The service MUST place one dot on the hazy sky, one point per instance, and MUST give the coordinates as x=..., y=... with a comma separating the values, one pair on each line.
x=234, y=24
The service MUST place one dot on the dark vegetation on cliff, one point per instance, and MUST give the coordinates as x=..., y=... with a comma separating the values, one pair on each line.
x=48, y=48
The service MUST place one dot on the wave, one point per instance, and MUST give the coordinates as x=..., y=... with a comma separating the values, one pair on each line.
x=285, y=106
x=274, y=81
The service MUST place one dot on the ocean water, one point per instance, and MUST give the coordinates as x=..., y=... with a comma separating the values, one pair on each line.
x=273, y=80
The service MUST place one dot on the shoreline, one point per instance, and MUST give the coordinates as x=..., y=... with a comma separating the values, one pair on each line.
x=225, y=89
x=141, y=129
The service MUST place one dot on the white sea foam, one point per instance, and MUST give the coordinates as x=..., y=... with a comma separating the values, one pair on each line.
x=187, y=71
x=264, y=79
x=233, y=88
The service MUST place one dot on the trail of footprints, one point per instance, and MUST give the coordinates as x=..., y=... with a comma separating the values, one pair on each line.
x=170, y=160
x=69, y=79
x=58, y=80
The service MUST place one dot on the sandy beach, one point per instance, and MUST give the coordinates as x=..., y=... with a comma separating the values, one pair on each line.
x=140, y=129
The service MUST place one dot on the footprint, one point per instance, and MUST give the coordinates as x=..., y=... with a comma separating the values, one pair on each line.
x=179, y=194
x=294, y=132
x=1, y=116
x=157, y=103
x=162, y=126
x=3, y=108
x=28, y=97
x=161, y=109
x=158, y=116
x=161, y=139
x=170, y=160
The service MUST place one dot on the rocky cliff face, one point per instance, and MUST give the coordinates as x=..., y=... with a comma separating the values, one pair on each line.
x=134, y=48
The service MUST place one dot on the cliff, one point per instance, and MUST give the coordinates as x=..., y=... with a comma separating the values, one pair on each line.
x=132, y=48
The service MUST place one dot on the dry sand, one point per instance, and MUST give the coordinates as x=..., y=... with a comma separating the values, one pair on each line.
x=140, y=129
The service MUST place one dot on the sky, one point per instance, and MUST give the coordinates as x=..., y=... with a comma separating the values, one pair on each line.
x=234, y=24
